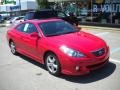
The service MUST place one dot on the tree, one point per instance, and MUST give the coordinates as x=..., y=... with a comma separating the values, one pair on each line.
x=42, y=4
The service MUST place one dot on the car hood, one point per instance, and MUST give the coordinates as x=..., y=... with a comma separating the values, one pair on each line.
x=79, y=40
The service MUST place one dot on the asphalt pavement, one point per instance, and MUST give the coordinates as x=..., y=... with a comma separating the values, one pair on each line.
x=22, y=73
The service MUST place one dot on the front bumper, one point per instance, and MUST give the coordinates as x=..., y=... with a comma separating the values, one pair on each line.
x=83, y=66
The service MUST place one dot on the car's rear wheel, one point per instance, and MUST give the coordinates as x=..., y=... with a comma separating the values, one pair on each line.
x=52, y=64
x=13, y=47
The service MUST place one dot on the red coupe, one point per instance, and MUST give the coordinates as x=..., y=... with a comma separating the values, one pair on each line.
x=59, y=46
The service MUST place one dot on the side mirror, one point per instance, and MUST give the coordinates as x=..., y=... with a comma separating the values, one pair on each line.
x=34, y=34
x=24, y=19
x=78, y=28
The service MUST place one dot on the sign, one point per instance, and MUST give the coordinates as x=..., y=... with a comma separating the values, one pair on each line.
x=15, y=8
x=98, y=1
x=107, y=6
x=8, y=2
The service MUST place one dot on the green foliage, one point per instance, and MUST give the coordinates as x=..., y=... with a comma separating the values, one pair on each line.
x=42, y=3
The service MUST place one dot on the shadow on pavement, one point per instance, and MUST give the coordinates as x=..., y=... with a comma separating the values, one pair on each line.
x=94, y=76
x=32, y=61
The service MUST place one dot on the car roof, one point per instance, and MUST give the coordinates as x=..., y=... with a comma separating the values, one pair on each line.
x=42, y=20
x=17, y=16
x=41, y=10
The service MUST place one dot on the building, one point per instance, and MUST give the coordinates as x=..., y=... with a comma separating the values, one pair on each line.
x=18, y=8
x=98, y=11
x=87, y=11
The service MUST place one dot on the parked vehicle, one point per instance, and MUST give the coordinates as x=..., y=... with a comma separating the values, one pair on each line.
x=15, y=20
x=1, y=19
x=59, y=46
x=46, y=14
x=42, y=14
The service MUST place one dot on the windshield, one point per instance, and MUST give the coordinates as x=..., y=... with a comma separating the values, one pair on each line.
x=54, y=28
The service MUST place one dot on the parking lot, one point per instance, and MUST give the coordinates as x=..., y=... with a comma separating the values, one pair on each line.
x=22, y=73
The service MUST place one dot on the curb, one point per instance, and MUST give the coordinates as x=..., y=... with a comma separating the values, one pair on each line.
x=2, y=25
x=83, y=26
x=95, y=27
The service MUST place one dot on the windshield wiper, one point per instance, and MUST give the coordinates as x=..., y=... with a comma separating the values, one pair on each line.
x=52, y=35
x=70, y=32
x=57, y=34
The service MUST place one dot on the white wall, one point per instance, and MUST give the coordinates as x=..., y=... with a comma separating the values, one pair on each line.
x=5, y=7
x=28, y=5
x=2, y=8
x=31, y=5
x=24, y=6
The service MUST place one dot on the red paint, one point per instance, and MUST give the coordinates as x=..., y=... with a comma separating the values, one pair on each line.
x=35, y=48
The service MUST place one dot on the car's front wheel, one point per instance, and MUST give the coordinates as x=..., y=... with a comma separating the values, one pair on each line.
x=52, y=64
x=13, y=47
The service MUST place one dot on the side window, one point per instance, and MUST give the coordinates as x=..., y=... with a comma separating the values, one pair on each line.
x=30, y=28
x=20, y=27
x=26, y=28
x=19, y=18
x=29, y=16
x=61, y=15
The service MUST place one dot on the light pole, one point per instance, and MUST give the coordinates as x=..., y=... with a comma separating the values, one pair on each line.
x=111, y=12
x=91, y=10
x=20, y=6
x=76, y=7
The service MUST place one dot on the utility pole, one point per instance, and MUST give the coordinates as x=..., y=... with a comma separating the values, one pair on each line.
x=91, y=10
x=111, y=12
x=76, y=7
x=20, y=6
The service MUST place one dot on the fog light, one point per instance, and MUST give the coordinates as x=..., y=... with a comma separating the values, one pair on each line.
x=77, y=68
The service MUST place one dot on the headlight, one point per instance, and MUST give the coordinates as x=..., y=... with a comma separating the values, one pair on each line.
x=71, y=52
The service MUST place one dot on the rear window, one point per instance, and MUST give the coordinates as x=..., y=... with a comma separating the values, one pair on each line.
x=45, y=14
x=41, y=15
x=29, y=16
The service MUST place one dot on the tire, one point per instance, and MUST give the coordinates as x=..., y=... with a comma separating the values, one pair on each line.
x=13, y=48
x=52, y=64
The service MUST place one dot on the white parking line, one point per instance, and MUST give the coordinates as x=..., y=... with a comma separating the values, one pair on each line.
x=114, y=50
x=104, y=33
x=113, y=60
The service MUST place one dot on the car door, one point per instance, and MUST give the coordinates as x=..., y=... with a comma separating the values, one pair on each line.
x=30, y=40
x=18, y=36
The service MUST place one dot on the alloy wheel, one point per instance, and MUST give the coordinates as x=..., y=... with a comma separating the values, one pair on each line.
x=52, y=64
x=13, y=48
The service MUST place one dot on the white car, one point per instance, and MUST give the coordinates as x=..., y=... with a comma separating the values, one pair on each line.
x=15, y=20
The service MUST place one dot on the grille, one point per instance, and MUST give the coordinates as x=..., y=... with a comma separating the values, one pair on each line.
x=99, y=52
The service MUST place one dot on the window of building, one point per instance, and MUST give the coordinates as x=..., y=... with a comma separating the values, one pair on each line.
x=95, y=11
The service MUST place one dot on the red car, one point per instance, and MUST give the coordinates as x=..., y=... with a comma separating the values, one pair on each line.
x=59, y=46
